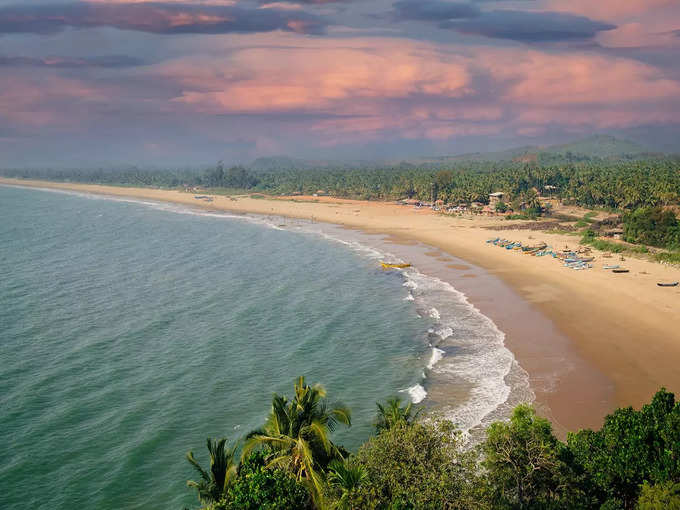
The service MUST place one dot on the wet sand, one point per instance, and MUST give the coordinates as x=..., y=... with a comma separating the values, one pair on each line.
x=590, y=340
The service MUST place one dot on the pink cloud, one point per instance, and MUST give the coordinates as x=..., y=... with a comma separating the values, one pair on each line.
x=358, y=89
x=540, y=78
x=387, y=87
x=45, y=100
x=317, y=77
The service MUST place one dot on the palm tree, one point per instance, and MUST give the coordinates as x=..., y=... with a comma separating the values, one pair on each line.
x=346, y=478
x=297, y=433
x=214, y=483
x=392, y=414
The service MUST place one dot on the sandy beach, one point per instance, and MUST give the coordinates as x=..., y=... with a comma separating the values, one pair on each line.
x=622, y=327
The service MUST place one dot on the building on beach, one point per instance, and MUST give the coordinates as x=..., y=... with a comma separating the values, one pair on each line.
x=495, y=198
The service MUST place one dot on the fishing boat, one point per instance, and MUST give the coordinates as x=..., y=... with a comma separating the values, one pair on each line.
x=610, y=267
x=386, y=265
x=674, y=284
x=539, y=247
x=619, y=271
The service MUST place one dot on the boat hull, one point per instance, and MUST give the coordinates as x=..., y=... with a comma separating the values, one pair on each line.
x=385, y=265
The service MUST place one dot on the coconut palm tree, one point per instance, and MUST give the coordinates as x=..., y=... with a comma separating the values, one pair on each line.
x=345, y=478
x=213, y=483
x=297, y=433
x=392, y=414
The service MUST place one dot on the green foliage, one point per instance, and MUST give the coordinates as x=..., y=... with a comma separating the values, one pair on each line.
x=665, y=496
x=297, y=434
x=631, y=463
x=632, y=447
x=614, y=185
x=527, y=467
x=392, y=413
x=590, y=238
x=652, y=226
x=215, y=481
x=668, y=258
x=345, y=479
x=421, y=466
x=259, y=488
x=501, y=207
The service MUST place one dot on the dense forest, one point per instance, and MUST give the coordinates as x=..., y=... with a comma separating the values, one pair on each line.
x=616, y=185
x=414, y=461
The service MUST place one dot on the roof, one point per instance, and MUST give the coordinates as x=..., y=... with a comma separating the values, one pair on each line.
x=497, y=194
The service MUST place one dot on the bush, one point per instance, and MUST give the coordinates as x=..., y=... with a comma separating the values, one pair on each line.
x=632, y=447
x=653, y=226
x=421, y=466
x=590, y=238
x=527, y=467
x=669, y=258
x=259, y=488
x=665, y=496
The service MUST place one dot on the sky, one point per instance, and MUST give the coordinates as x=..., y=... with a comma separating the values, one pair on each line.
x=177, y=82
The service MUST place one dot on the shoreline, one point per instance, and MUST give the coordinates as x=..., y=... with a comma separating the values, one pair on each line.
x=622, y=325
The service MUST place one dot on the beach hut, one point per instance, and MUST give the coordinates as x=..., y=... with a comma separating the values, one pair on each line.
x=616, y=233
x=495, y=198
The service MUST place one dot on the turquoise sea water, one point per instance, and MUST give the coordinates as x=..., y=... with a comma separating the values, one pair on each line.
x=130, y=332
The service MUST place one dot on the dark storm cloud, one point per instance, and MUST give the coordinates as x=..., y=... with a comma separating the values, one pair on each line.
x=527, y=26
x=109, y=61
x=425, y=10
x=158, y=18
x=517, y=25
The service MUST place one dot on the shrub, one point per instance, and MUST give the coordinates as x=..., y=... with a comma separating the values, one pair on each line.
x=259, y=488
x=416, y=466
x=527, y=467
x=632, y=447
x=654, y=226
x=665, y=496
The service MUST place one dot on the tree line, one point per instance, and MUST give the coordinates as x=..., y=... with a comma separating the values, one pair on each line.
x=414, y=461
x=616, y=185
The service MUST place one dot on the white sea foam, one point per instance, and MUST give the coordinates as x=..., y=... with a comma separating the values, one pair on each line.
x=409, y=297
x=437, y=355
x=416, y=392
x=444, y=332
x=480, y=366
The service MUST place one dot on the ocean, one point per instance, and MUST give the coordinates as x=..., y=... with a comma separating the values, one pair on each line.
x=130, y=331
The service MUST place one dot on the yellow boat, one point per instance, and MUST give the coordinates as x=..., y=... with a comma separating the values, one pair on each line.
x=385, y=265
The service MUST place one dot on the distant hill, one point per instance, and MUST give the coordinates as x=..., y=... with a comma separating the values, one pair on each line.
x=284, y=163
x=593, y=148
x=602, y=147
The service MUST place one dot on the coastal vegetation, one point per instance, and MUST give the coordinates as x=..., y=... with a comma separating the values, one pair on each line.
x=418, y=461
x=644, y=193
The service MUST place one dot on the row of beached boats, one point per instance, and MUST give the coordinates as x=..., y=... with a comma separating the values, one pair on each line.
x=571, y=259
x=578, y=261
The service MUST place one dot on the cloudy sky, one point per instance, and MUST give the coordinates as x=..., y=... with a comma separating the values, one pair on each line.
x=194, y=81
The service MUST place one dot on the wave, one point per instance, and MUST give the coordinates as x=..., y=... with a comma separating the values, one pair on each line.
x=416, y=392
x=437, y=355
x=479, y=365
